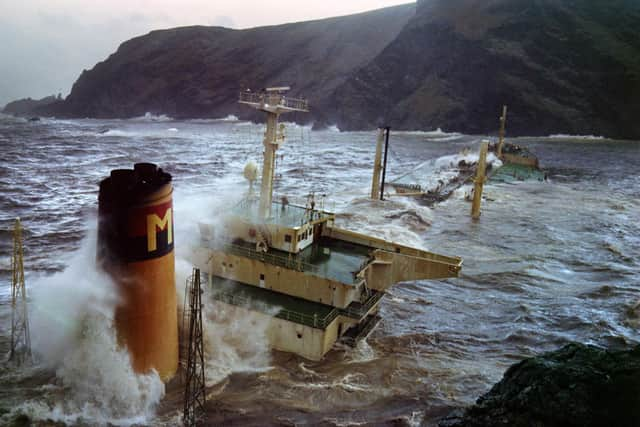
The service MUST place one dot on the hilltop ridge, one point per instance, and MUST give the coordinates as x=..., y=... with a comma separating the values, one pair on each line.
x=194, y=72
x=562, y=66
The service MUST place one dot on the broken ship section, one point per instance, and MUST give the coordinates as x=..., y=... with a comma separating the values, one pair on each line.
x=316, y=282
x=517, y=164
x=292, y=269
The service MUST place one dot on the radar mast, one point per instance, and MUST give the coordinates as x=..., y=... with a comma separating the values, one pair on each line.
x=272, y=101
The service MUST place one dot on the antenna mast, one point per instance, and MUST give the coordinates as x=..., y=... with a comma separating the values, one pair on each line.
x=194, y=389
x=20, y=339
x=273, y=102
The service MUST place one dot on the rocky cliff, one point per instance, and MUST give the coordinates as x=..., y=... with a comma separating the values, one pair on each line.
x=562, y=66
x=198, y=71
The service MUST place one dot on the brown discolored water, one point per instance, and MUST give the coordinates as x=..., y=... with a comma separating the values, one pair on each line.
x=548, y=263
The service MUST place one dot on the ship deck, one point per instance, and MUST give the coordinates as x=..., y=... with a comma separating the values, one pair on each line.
x=511, y=172
x=328, y=258
x=287, y=307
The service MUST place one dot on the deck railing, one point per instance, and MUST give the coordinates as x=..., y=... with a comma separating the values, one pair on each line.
x=273, y=99
x=293, y=262
x=357, y=311
x=313, y=321
x=354, y=310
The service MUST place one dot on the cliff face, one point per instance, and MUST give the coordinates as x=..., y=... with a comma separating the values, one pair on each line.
x=26, y=106
x=198, y=71
x=562, y=66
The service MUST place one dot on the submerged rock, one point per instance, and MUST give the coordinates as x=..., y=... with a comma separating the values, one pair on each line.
x=578, y=385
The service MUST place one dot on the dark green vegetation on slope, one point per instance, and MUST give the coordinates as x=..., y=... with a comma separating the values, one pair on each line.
x=577, y=385
x=562, y=66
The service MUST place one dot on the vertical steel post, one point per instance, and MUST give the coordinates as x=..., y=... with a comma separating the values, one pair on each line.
x=384, y=165
x=270, y=146
x=479, y=181
x=503, y=122
x=377, y=165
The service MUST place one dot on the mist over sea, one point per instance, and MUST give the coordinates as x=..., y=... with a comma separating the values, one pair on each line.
x=548, y=263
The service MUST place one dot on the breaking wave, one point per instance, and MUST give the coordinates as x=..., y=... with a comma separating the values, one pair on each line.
x=73, y=335
x=435, y=172
x=149, y=117
x=120, y=133
x=585, y=137
x=235, y=338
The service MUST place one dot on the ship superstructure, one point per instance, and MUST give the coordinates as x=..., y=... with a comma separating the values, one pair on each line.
x=292, y=267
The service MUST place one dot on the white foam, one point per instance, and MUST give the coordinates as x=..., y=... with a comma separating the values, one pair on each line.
x=149, y=117
x=235, y=339
x=72, y=332
x=122, y=133
x=437, y=134
x=585, y=137
x=119, y=133
x=363, y=352
x=230, y=118
x=396, y=220
x=431, y=173
x=356, y=382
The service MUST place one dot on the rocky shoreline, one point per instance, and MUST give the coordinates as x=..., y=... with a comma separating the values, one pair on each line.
x=578, y=385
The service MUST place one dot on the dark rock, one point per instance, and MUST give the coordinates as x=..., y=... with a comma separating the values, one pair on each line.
x=577, y=385
x=195, y=72
x=562, y=66
x=25, y=107
x=21, y=420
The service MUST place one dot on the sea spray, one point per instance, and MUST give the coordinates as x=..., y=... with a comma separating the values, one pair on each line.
x=235, y=339
x=73, y=334
x=396, y=220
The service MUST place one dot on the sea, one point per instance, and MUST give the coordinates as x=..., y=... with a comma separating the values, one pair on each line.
x=546, y=264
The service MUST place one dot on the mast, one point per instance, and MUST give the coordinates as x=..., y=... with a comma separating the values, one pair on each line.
x=479, y=181
x=377, y=166
x=270, y=146
x=194, y=388
x=503, y=122
x=273, y=102
x=387, y=130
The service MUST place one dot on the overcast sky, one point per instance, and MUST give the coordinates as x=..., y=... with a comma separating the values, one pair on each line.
x=45, y=44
